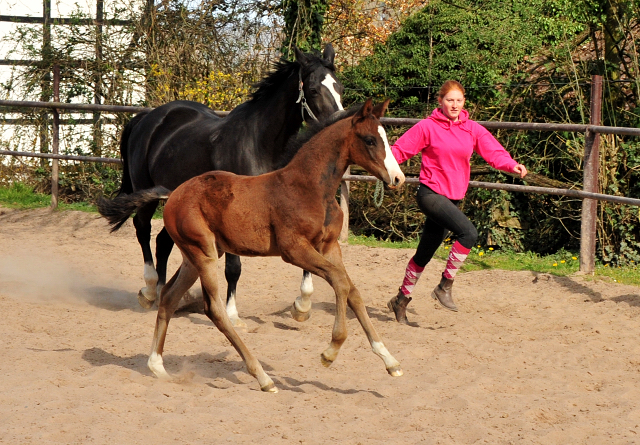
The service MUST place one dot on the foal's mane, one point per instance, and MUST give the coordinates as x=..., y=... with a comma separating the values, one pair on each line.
x=296, y=142
x=282, y=70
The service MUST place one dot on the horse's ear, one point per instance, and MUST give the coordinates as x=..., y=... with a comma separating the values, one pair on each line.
x=365, y=110
x=329, y=54
x=301, y=57
x=378, y=110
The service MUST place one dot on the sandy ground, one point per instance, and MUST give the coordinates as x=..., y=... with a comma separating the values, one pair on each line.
x=527, y=360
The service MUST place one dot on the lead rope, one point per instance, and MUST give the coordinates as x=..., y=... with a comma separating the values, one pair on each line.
x=378, y=194
x=303, y=99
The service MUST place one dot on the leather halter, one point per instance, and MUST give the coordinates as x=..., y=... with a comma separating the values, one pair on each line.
x=303, y=99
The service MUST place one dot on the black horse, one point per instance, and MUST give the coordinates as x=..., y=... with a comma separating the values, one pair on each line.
x=183, y=139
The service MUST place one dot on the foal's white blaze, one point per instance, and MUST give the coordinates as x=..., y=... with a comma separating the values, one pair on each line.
x=390, y=162
x=156, y=366
x=329, y=83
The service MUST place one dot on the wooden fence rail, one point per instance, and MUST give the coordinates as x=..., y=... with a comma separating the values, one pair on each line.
x=588, y=195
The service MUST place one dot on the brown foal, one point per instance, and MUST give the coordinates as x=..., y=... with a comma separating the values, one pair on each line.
x=292, y=213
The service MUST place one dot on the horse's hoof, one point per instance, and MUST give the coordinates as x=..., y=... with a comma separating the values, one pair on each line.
x=395, y=371
x=325, y=361
x=299, y=316
x=271, y=387
x=144, y=301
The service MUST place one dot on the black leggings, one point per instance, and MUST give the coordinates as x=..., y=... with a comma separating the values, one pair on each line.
x=443, y=216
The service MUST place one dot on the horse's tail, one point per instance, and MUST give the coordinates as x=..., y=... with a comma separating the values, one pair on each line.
x=126, y=186
x=119, y=209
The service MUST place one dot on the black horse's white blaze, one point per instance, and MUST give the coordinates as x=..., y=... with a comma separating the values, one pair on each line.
x=330, y=83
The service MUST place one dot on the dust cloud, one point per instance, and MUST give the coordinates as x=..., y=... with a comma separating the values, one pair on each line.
x=44, y=277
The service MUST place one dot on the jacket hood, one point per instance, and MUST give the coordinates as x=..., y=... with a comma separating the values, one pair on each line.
x=438, y=117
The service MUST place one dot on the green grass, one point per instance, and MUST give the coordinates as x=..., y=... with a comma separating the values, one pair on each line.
x=21, y=196
x=562, y=263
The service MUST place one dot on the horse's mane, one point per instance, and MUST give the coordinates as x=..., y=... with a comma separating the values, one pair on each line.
x=282, y=70
x=296, y=142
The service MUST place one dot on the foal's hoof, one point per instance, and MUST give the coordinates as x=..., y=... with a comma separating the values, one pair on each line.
x=395, y=371
x=299, y=316
x=271, y=387
x=144, y=301
x=325, y=361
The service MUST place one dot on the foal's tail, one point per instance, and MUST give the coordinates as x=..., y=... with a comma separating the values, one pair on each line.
x=126, y=186
x=119, y=209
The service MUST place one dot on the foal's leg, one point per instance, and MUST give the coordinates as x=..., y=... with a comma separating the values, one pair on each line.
x=357, y=305
x=164, y=245
x=181, y=281
x=142, y=223
x=310, y=260
x=301, y=309
x=232, y=270
x=354, y=300
x=214, y=309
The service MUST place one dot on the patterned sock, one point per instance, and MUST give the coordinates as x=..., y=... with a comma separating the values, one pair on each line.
x=411, y=275
x=457, y=256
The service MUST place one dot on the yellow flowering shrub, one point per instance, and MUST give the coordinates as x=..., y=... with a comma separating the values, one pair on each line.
x=218, y=90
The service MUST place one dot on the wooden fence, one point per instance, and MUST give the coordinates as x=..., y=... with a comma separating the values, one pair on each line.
x=591, y=159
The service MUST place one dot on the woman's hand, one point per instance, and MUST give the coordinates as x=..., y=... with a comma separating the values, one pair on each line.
x=521, y=170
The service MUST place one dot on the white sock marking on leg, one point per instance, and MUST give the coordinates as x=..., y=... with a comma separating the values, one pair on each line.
x=303, y=302
x=232, y=310
x=156, y=366
x=381, y=351
x=151, y=280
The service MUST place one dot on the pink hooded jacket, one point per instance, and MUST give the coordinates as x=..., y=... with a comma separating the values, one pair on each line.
x=446, y=150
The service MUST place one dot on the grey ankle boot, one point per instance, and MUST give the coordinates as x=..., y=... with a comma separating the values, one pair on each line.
x=398, y=305
x=443, y=294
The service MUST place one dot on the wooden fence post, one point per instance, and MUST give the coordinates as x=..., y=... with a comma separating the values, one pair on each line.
x=344, y=205
x=590, y=182
x=56, y=138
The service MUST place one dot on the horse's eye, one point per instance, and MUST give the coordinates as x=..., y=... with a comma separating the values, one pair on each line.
x=370, y=140
x=313, y=91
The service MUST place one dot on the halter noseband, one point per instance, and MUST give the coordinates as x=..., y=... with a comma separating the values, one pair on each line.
x=303, y=99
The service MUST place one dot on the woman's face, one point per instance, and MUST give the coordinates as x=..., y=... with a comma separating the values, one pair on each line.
x=452, y=104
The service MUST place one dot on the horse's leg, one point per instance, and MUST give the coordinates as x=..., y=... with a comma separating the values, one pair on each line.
x=301, y=309
x=181, y=281
x=232, y=270
x=164, y=244
x=214, y=309
x=142, y=223
x=354, y=300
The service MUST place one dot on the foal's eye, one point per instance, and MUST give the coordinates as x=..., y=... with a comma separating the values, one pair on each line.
x=370, y=140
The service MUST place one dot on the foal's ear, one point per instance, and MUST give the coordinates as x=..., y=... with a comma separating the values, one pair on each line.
x=364, y=111
x=378, y=110
x=301, y=57
x=329, y=54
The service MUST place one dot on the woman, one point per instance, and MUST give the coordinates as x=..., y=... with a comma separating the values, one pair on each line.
x=446, y=140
